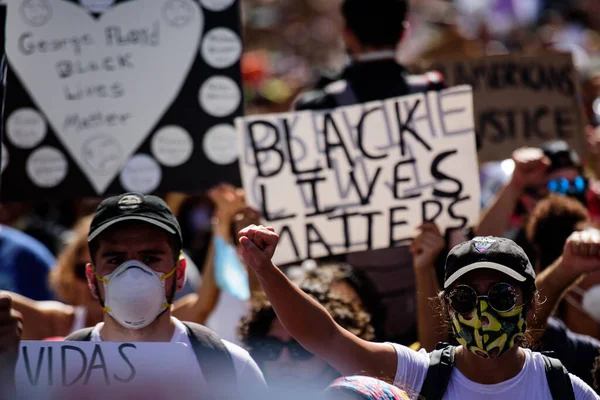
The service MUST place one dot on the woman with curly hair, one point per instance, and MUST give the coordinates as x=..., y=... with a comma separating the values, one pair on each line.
x=282, y=359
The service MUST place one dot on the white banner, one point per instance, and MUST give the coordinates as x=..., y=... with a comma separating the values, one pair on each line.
x=104, y=369
x=362, y=177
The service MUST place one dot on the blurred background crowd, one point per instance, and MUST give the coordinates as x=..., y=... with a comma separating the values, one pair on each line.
x=292, y=46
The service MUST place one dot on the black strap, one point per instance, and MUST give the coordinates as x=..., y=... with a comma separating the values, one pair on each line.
x=441, y=362
x=82, y=335
x=214, y=358
x=558, y=378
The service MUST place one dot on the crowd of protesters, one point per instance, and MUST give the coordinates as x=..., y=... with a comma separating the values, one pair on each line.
x=507, y=308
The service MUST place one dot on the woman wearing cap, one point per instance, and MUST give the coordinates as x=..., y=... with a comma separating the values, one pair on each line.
x=489, y=289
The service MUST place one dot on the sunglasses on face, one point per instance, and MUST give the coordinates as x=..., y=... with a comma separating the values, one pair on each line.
x=502, y=297
x=269, y=348
x=565, y=186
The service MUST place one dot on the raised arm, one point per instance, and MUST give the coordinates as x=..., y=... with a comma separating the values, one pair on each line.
x=306, y=320
x=197, y=307
x=425, y=249
x=42, y=319
x=530, y=169
x=581, y=255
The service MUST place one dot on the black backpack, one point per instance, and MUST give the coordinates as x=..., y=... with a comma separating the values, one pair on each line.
x=212, y=355
x=441, y=362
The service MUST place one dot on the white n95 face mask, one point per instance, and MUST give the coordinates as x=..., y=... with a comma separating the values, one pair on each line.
x=590, y=301
x=135, y=294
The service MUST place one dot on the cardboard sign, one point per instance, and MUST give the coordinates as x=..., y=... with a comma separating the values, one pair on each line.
x=520, y=100
x=131, y=99
x=102, y=369
x=362, y=177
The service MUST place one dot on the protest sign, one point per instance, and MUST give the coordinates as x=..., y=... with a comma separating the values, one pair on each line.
x=520, y=100
x=362, y=177
x=81, y=369
x=138, y=96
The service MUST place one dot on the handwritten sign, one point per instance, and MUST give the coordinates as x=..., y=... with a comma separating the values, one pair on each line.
x=80, y=369
x=520, y=100
x=119, y=100
x=362, y=177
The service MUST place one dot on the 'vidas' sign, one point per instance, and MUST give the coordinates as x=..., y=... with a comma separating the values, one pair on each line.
x=66, y=369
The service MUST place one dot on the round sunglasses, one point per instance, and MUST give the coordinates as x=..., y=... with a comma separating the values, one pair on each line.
x=502, y=297
x=269, y=348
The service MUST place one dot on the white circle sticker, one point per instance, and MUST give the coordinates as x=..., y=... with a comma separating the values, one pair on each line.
x=5, y=159
x=172, y=146
x=219, y=96
x=221, y=48
x=217, y=5
x=47, y=167
x=220, y=144
x=25, y=128
x=141, y=174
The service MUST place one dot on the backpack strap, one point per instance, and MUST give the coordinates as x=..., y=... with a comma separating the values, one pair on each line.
x=213, y=357
x=558, y=378
x=441, y=363
x=82, y=335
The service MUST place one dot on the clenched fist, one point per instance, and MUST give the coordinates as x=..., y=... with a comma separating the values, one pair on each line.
x=11, y=327
x=530, y=167
x=582, y=251
x=258, y=243
x=427, y=246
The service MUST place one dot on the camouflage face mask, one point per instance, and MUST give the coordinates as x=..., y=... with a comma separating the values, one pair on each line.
x=488, y=333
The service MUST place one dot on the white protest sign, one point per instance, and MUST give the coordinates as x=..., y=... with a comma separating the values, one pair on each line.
x=104, y=83
x=104, y=369
x=362, y=177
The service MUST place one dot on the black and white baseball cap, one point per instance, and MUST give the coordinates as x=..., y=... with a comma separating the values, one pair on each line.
x=499, y=254
x=136, y=207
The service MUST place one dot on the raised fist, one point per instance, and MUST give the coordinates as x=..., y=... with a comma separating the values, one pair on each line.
x=427, y=246
x=530, y=167
x=582, y=251
x=258, y=243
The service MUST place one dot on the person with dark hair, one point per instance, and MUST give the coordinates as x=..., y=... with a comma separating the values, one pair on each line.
x=285, y=363
x=550, y=224
x=490, y=295
x=136, y=267
x=372, y=33
x=346, y=282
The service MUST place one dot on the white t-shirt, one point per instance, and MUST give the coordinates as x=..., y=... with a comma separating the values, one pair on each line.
x=529, y=384
x=249, y=377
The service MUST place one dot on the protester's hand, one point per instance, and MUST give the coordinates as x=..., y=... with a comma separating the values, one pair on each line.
x=581, y=253
x=258, y=244
x=593, y=139
x=530, y=167
x=229, y=201
x=11, y=327
x=427, y=246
